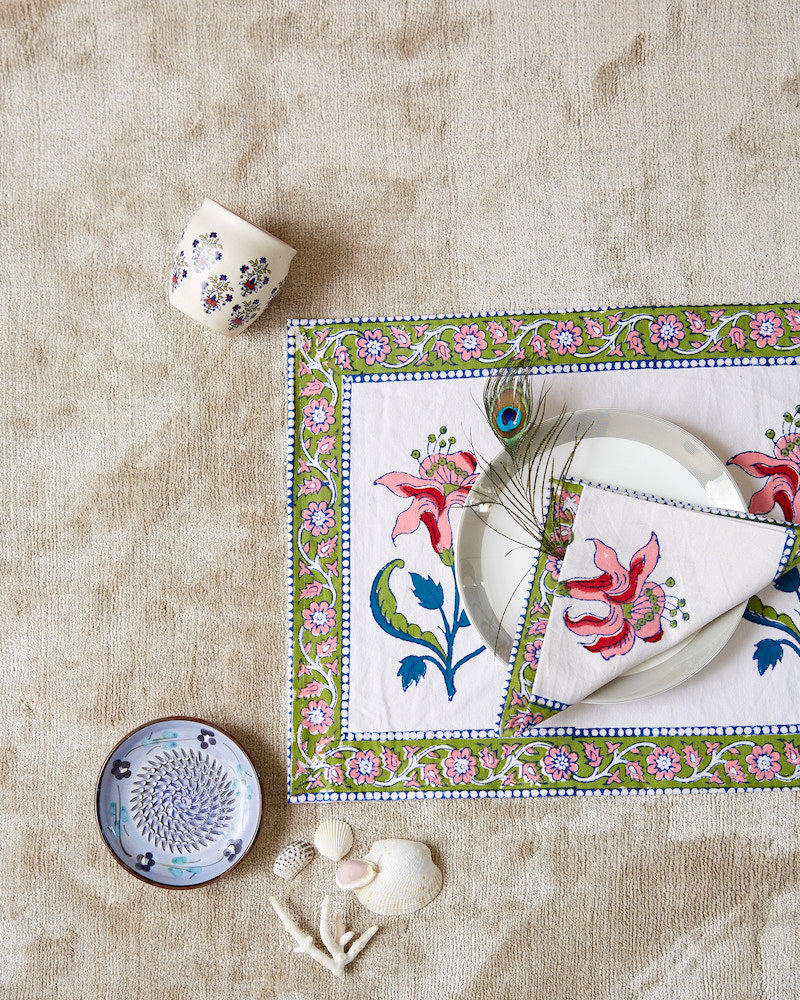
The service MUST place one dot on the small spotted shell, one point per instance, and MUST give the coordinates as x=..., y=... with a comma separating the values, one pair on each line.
x=293, y=859
x=333, y=839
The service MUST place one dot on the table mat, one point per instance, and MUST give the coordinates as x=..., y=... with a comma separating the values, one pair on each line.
x=392, y=693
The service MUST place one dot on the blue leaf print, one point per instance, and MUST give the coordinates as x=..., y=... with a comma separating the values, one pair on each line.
x=412, y=670
x=429, y=593
x=789, y=583
x=768, y=653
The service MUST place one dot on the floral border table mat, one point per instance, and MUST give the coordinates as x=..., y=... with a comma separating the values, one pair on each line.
x=392, y=692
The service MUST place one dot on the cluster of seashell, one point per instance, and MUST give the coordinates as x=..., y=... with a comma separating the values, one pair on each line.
x=333, y=839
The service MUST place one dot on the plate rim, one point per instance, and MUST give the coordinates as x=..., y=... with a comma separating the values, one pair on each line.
x=575, y=415
x=98, y=786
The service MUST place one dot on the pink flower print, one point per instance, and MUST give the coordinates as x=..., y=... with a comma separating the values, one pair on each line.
x=318, y=518
x=538, y=345
x=444, y=482
x=613, y=319
x=634, y=341
x=312, y=388
x=310, y=485
x=529, y=773
x=400, y=336
x=553, y=566
x=533, y=650
x=792, y=753
x=326, y=444
x=766, y=329
x=667, y=332
x=691, y=756
x=763, y=762
x=696, y=323
x=593, y=328
x=319, y=617
x=469, y=342
x=310, y=690
x=716, y=315
x=521, y=722
x=488, y=759
x=430, y=773
x=566, y=337
x=793, y=315
x=560, y=763
x=317, y=716
x=593, y=755
x=327, y=646
x=373, y=347
x=664, y=763
x=498, y=332
x=635, y=605
x=441, y=350
x=390, y=759
x=363, y=767
x=782, y=472
x=312, y=589
x=216, y=291
x=335, y=776
x=737, y=337
x=734, y=771
x=342, y=357
x=459, y=766
x=318, y=415
x=634, y=770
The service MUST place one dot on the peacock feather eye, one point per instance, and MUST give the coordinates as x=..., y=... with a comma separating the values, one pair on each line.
x=510, y=412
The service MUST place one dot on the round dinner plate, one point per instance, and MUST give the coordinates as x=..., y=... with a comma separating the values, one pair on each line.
x=178, y=802
x=617, y=448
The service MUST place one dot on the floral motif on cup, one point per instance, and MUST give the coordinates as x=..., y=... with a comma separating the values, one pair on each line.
x=276, y=290
x=243, y=313
x=253, y=275
x=667, y=332
x=179, y=271
x=459, y=766
x=373, y=347
x=318, y=518
x=363, y=767
x=469, y=341
x=764, y=762
x=319, y=617
x=664, y=763
x=560, y=763
x=216, y=292
x=144, y=862
x=317, y=717
x=206, y=251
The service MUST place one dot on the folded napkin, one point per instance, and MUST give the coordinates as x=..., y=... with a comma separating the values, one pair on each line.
x=639, y=575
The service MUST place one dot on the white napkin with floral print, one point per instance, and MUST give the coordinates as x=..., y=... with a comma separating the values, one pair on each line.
x=639, y=576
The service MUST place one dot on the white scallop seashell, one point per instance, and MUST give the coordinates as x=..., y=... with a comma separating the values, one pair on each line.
x=405, y=879
x=293, y=859
x=333, y=839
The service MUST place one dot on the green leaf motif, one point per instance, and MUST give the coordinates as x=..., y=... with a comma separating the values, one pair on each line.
x=384, y=607
x=755, y=607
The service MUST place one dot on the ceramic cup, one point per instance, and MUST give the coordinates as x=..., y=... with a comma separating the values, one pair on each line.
x=226, y=270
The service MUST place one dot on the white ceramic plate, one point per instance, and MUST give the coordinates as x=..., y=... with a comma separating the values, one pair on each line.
x=630, y=450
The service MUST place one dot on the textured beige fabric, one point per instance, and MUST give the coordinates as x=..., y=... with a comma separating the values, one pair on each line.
x=422, y=157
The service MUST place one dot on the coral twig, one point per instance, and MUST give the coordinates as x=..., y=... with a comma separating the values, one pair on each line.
x=333, y=941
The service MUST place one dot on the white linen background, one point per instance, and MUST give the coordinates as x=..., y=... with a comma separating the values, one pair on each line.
x=391, y=419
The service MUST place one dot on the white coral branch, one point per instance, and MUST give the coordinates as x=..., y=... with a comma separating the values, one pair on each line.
x=333, y=941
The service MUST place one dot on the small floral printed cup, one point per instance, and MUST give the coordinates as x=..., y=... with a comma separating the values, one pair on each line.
x=226, y=271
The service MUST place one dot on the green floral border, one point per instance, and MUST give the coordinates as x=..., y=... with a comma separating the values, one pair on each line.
x=324, y=358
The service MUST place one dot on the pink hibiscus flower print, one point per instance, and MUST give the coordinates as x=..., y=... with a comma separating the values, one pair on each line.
x=664, y=763
x=444, y=481
x=317, y=716
x=565, y=337
x=373, y=347
x=560, y=763
x=781, y=470
x=318, y=518
x=667, y=332
x=764, y=762
x=319, y=617
x=766, y=329
x=533, y=650
x=635, y=605
x=318, y=415
x=459, y=766
x=469, y=342
x=363, y=767
x=553, y=566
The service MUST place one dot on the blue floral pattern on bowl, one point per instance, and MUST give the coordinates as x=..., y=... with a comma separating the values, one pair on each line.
x=170, y=804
